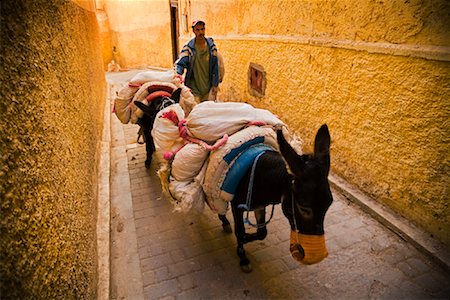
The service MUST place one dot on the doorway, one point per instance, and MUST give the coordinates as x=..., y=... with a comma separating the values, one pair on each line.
x=174, y=28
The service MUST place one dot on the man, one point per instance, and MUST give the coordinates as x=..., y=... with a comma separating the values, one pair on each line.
x=201, y=60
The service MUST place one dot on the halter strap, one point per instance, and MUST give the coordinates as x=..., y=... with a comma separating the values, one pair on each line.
x=293, y=211
x=248, y=201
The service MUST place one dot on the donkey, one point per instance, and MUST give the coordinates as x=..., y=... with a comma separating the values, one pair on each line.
x=148, y=119
x=303, y=192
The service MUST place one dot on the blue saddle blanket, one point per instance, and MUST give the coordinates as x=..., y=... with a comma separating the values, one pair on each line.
x=241, y=160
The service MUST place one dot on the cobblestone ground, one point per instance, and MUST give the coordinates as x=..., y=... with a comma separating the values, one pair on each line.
x=190, y=257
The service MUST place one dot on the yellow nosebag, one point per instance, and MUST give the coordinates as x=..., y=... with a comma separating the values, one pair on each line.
x=308, y=249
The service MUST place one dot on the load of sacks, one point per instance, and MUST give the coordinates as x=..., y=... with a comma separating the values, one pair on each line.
x=146, y=85
x=205, y=153
x=203, y=149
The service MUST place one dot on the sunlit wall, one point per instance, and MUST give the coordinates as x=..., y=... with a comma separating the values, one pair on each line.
x=140, y=32
x=377, y=72
x=52, y=101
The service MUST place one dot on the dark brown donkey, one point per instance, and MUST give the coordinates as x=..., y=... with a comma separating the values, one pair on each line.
x=148, y=119
x=303, y=192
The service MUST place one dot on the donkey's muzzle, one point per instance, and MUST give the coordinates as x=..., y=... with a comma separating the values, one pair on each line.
x=308, y=249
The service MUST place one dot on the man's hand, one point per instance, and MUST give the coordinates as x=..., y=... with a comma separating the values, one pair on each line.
x=213, y=93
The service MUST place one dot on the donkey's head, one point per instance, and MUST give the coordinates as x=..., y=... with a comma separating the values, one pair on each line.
x=310, y=197
x=158, y=102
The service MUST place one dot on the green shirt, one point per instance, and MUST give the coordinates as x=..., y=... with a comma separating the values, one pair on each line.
x=200, y=81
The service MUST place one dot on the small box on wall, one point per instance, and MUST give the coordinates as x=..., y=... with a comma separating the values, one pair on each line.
x=256, y=80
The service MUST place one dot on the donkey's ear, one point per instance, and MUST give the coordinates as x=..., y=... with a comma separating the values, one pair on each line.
x=322, y=145
x=145, y=108
x=322, y=142
x=293, y=160
x=176, y=95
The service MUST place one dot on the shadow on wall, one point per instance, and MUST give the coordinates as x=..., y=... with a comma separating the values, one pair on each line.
x=52, y=98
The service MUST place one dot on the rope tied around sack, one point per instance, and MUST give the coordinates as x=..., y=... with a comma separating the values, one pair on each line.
x=179, y=78
x=183, y=131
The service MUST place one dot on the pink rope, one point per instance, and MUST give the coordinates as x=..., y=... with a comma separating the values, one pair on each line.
x=170, y=154
x=219, y=143
x=182, y=129
x=170, y=115
x=180, y=78
x=256, y=123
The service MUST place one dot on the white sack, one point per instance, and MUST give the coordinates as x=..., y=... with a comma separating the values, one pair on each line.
x=122, y=109
x=188, y=162
x=154, y=75
x=189, y=196
x=165, y=133
x=209, y=121
x=122, y=103
x=187, y=99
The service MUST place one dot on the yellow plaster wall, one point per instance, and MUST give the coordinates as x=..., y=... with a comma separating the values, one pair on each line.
x=52, y=99
x=393, y=21
x=140, y=32
x=105, y=37
x=378, y=73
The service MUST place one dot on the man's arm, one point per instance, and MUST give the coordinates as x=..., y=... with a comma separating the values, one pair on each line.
x=183, y=60
x=215, y=76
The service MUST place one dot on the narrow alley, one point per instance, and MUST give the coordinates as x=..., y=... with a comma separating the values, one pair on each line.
x=83, y=218
x=160, y=254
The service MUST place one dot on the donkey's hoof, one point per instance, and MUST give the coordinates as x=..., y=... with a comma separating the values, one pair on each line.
x=246, y=268
x=227, y=228
x=147, y=164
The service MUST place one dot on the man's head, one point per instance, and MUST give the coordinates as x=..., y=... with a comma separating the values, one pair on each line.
x=198, y=27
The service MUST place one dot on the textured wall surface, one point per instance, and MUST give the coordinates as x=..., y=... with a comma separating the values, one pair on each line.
x=393, y=21
x=51, y=102
x=105, y=37
x=140, y=32
x=377, y=72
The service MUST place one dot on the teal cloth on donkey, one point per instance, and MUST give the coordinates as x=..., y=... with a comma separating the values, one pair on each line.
x=238, y=150
x=239, y=167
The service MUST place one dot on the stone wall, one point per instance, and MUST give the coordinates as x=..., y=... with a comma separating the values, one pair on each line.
x=140, y=32
x=52, y=99
x=105, y=37
x=377, y=72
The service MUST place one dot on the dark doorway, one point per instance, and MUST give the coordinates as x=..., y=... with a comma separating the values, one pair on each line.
x=174, y=28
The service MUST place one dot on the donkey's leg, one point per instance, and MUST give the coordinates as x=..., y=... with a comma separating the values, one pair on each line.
x=225, y=223
x=239, y=231
x=260, y=216
x=261, y=232
x=149, y=147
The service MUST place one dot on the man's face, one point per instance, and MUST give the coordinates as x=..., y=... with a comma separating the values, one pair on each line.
x=199, y=30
